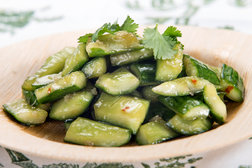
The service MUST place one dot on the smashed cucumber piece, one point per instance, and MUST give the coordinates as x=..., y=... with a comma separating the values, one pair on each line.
x=131, y=57
x=108, y=44
x=95, y=68
x=92, y=133
x=61, y=87
x=194, y=67
x=53, y=64
x=189, y=127
x=169, y=69
x=76, y=60
x=185, y=106
x=25, y=113
x=119, y=82
x=153, y=132
x=124, y=111
x=232, y=84
x=216, y=105
x=145, y=72
x=71, y=106
x=45, y=80
x=181, y=86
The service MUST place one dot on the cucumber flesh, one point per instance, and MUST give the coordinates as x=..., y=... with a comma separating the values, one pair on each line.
x=154, y=132
x=216, y=105
x=130, y=57
x=187, y=107
x=119, y=82
x=25, y=113
x=53, y=64
x=189, y=127
x=30, y=97
x=194, y=67
x=108, y=44
x=92, y=133
x=145, y=72
x=169, y=69
x=123, y=111
x=95, y=68
x=61, y=87
x=232, y=84
x=71, y=106
x=181, y=86
x=45, y=80
x=76, y=60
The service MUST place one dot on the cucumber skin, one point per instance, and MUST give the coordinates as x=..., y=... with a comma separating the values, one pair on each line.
x=58, y=93
x=131, y=57
x=49, y=67
x=151, y=129
x=133, y=84
x=181, y=87
x=50, y=78
x=112, y=109
x=69, y=138
x=9, y=110
x=169, y=69
x=75, y=61
x=219, y=118
x=231, y=78
x=183, y=105
x=108, y=44
x=102, y=67
x=30, y=97
x=82, y=101
x=202, y=70
x=190, y=125
x=145, y=73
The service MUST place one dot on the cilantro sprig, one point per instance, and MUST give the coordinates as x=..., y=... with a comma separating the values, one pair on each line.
x=129, y=25
x=162, y=44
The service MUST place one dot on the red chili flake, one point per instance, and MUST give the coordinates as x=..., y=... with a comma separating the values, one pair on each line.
x=49, y=90
x=126, y=108
x=194, y=81
x=228, y=89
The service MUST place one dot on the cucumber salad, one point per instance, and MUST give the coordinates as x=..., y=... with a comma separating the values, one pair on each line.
x=117, y=87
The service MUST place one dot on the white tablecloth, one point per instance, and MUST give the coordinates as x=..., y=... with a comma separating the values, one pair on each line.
x=27, y=19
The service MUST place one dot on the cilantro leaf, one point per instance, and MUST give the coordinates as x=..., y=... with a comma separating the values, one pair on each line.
x=172, y=32
x=106, y=28
x=129, y=25
x=162, y=45
x=84, y=39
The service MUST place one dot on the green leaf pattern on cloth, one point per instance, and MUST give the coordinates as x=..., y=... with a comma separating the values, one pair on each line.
x=23, y=161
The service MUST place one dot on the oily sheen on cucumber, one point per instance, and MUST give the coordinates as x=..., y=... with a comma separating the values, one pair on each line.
x=119, y=82
x=116, y=43
x=154, y=132
x=181, y=87
x=124, y=111
x=232, y=83
x=53, y=64
x=187, y=107
x=59, y=88
x=194, y=67
x=71, y=105
x=25, y=113
x=92, y=133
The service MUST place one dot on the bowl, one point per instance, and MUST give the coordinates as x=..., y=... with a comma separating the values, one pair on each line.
x=212, y=46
